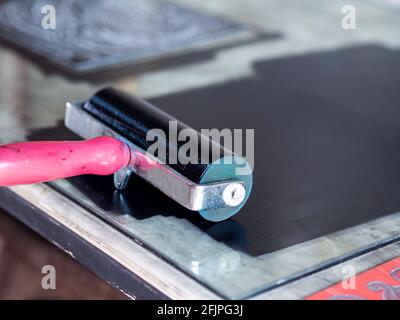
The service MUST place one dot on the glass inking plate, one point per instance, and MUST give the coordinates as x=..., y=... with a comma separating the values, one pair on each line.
x=326, y=179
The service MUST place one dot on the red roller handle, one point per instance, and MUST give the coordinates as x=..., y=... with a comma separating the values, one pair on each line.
x=33, y=162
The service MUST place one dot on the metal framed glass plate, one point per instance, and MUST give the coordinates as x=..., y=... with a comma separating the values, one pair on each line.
x=326, y=175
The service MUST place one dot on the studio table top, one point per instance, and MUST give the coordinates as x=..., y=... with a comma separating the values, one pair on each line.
x=326, y=179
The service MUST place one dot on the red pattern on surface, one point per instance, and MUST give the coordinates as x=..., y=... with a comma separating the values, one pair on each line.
x=379, y=283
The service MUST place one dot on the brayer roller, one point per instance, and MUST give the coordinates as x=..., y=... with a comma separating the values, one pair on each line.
x=117, y=127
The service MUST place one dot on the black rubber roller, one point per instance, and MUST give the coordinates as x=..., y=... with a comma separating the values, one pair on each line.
x=133, y=118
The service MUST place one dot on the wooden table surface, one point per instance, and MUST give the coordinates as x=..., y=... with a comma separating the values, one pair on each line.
x=23, y=253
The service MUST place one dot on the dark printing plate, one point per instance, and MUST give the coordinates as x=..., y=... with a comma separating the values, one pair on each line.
x=93, y=34
x=327, y=148
x=327, y=141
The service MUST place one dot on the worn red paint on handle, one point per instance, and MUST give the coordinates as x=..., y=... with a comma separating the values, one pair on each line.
x=33, y=162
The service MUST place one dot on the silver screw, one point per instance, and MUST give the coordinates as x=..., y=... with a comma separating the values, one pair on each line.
x=234, y=194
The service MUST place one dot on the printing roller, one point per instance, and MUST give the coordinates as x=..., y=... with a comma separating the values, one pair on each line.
x=117, y=126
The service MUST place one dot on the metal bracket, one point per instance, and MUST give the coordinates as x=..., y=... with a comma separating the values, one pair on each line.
x=191, y=195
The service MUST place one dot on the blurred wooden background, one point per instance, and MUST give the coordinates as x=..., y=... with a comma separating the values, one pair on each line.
x=23, y=253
